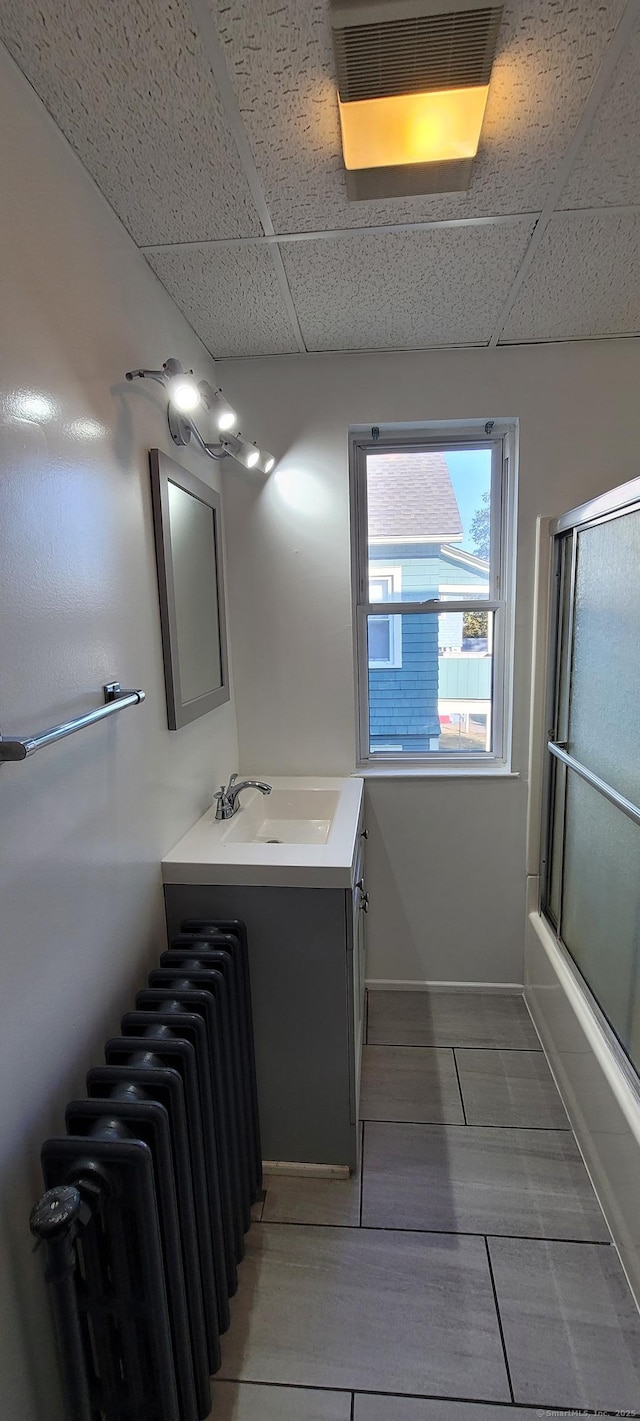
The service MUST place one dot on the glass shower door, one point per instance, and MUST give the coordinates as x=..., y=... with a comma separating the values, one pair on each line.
x=592, y=878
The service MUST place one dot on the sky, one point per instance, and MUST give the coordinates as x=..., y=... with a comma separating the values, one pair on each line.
x=470, y=471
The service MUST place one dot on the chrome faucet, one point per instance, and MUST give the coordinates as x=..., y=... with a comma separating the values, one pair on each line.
x=228, y=800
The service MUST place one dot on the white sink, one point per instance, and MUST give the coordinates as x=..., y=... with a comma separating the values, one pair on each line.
x=286, y=816
x=304, y=834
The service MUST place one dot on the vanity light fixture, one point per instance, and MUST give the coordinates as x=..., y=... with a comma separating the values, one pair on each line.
x=183, y=390
x=186, y=395
x=249, y=454
x=223, y=414
x=246, y=453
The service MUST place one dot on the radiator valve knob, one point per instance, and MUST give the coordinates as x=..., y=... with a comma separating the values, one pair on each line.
x=56, y=1211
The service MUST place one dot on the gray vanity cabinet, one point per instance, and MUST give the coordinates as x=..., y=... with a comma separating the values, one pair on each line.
x=357, y=946
x=307, y=955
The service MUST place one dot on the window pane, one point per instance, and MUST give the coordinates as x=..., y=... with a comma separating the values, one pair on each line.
x=605, y=679
x=554, y=872
x=379, y=639
x=601, y=899
x=563, y=650
x=438, y=695
x=429, y=517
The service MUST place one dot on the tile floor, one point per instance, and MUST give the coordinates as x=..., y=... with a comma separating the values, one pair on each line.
x=466, y=1272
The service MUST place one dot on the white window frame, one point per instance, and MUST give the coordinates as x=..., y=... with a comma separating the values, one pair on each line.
x=392, y=575
x=501, y=437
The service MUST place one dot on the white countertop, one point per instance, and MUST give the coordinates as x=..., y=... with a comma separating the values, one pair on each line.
x=209, y=852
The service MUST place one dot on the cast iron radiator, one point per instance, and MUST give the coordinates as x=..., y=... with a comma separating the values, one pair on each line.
x=148, y=1196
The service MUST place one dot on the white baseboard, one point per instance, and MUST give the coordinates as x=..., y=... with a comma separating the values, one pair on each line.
x=392, y=984
x=307, y=1171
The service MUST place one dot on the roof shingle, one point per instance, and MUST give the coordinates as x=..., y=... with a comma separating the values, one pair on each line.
x=410, y=495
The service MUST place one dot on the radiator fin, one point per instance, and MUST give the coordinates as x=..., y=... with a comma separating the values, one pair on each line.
x=149, y=1194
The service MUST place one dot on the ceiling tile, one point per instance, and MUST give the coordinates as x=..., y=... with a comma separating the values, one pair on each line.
x=585, y=281
x=374, y=291
x=280, y=60
x=130, y=88
x=608, y=167
x=231, y=297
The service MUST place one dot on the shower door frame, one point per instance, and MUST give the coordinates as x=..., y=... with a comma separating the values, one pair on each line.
x=616, y=503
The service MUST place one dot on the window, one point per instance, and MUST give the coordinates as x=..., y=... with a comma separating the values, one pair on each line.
x=431, y=534
x=385, y=633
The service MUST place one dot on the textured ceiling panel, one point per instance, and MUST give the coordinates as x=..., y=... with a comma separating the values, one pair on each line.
x=280, y=60
x=608, y=167
x=401, y=290
x=231, y=297
x=585, y=281
x=130, y=88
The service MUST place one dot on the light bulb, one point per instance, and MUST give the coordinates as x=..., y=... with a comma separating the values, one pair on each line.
x=269, y=463
x=184, y=393
x=224, y=416
x=246, y=453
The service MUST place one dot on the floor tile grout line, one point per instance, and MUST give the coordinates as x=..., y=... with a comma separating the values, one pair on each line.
x=362, y=1124
x=455, y=1063
x=437, y=1233
x=500, y=1328
x=448, y=1046
x=525, y=1406
x=458, y=1125
x=527, y=1050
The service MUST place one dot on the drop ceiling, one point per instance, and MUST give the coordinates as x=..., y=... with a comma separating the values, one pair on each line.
x=212, y=128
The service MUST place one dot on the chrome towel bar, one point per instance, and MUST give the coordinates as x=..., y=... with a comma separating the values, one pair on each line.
x=115, y=699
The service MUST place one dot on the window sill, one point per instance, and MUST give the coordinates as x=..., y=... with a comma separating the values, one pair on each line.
x=435, y=772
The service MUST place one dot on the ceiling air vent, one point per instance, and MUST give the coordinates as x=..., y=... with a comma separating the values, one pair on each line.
x=413, y=78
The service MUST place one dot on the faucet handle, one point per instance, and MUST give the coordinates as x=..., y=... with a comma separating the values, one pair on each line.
x=219, y=800
x=232, y=780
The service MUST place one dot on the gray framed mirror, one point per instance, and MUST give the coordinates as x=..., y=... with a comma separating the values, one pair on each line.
x=188, y=537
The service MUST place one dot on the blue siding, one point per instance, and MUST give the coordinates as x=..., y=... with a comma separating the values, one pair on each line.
x=403, y=701
x=425, y=573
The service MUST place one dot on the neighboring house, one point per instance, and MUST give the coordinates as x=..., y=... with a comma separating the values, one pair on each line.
x=422, y=671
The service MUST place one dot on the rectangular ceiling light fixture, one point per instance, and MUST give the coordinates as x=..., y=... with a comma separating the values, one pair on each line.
x=413, y=79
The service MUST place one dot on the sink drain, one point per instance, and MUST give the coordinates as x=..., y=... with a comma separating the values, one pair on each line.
x=273, y=841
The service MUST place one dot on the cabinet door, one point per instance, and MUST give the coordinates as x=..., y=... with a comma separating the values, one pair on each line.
x=358, y=947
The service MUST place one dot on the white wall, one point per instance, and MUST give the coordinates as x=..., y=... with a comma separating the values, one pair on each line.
x=85, y=822
x=446, y=863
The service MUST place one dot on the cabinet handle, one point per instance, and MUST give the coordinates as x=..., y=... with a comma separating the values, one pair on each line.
x=364, y=833
x=364, y=902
